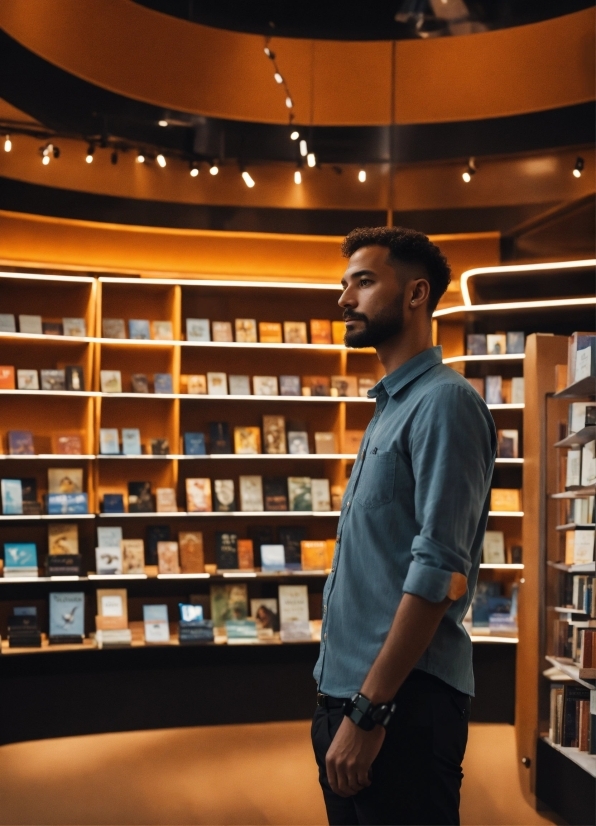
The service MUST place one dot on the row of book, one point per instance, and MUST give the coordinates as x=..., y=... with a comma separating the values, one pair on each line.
x=495, y=344
x=67, y=378
x=578, y=594
x=497, y=390
x=571, y=724
x=35, y=325
x=580, y=511
x=581, y=357
x=22, y=443
x=494, y=551
x=20, y=498
x=493, y=611
x=581, y=466
x=579, y=545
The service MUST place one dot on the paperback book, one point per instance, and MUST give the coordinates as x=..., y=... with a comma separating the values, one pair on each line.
x=20, y=443
x=63, y=538
x=111, y=381
x=20, y=559
x=217, y=384
x=246, y=330
x=198, y=495
x=113, y=328
x=228, y=603
x=74, y=378
x=224, y=497
x=196, y=385
x=53, y=380
x=162, y=383
x=194, y=444
x=239, y=385
x=197, y=329
x=275, y=490
x=67, y=617
x=274, y=434
x=139, y=383
x=219, y=437
x=265, y=386
x=251, y=493
x=131, y=441
x=190, y=546
x=27, y=380
x=222, y=331
x=270, y=332
x=167, y=558
x=140, y=498
x=226, y=550
x=133, y=556
x=300, y=493
x=138, y=328
x=247, y=440
x=290, y=386
x=156, y=627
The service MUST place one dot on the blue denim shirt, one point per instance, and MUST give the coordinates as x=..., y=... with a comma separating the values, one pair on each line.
x=413, y=520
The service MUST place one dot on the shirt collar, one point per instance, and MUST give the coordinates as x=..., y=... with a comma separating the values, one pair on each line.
x=409, y=371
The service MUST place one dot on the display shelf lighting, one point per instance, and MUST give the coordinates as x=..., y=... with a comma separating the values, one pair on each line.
x=303, y=148
x=48, y=152
x=194, y=170
x=289, y=102
x=140, y=157
x=278, y=78
x=297, y=177
x=294, y=135
x=214, y=168
x=7, y=143
x=311, y=160
x=578, y=168
x=161, y=160
x=470, y=171
x=90, y=153
x=162, y=122
x=362, y=176
x=248, y=180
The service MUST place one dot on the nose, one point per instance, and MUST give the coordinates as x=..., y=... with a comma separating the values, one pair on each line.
x=347, y=298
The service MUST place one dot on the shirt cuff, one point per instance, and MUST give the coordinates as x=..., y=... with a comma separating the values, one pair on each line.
x=434, y=584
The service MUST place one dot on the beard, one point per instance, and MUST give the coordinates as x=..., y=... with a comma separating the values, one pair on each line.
x=386, y=324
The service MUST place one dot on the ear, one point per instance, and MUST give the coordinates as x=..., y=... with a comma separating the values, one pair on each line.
x=419, y=292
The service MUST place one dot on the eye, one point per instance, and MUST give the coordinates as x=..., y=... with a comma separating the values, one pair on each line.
x=364, y=282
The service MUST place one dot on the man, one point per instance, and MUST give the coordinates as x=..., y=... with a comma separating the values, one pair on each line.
x=406, y=561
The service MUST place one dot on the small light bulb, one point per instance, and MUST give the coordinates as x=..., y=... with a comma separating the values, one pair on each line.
x=362, y=176
x=88, y=158
x=577, y=173
x=140, y=158
x=303, y=148
x=162, y=122
x=466, y=176
x=297, y=177
x=294, y=136
x=269, y=53
x=161, y=160
x=278, y=78
x=310, y=159
x=289, y=102
x=213, y=169
x=45, y=160
x=194, y=172
x=7, y=144
x=248, y=180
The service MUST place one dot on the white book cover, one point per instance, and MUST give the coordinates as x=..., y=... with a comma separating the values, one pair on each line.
x=321, y=495
x=131, y=441
x=217, y=384
x=293, y=603
x=239, y=385
x=251, y=493
x=197, y=329
x=588, y=476
x=112, y=605
x=109, y=441
x=517, y=390
x=577, y=416
x=109, y=537
x=583, y=546
x=494, y=390
x=74, y=327
x=7, y=323
x=108, y=560
x=27, y=380
x=30, y=324
x=111, y=381
x=273, y=558
x=574, y=468
x=156, y=625
x=493, y=549
x=583, y=364
x=265, y=386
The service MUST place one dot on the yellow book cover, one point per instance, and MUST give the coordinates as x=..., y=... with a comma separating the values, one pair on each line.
x=295, y=332
x=320, y=331
x=338, y=331
x=569, y=547
x=63, y=538
x=246, y=330
x=313, y=553
x=505, y=499
x=270, y=332
x=247, y=440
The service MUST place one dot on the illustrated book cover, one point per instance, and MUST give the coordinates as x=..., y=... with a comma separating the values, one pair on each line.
x=198, y=495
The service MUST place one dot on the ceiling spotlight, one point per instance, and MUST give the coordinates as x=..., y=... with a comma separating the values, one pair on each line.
x=310, y=159
x=162, y=122
x=7, y=144
x=161, y=160
x=90, y=153
x=194, y=171
x=269, y=53
x=140, y=158
x=362, y=176
x=297, y=177
x=278, y=78
x=578, y=168
x=470, y=170
x=294, y=135
x=47, y=152
x=289, y=102
x=213, y=169
x=114, y=157
x=247, y=179
x=303, y=148
x=45, y=160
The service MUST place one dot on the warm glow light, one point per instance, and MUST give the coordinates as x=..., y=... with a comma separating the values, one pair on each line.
x=310, y=159
x=140, y=158
x=278, y=78
x=467, y=177
x=162, y=122
x=303, y=148
x=194, y=172
x=89, y=158
x=577, y=173
x=515, y=305
x=213, y=169
x=247, y=179
x=45, y=160
x=578, y=168
x=294, y=136
x=289, y=102
x=161, y=161
x=7, y=144
x=90, y=153
x=297, y=177
x=362, y=176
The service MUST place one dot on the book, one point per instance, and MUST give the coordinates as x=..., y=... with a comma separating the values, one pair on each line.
x=7, y=323
x=167, y=558
x=273, y=558
x=111, y=381
x=325, y=443
x=493, y=548
x=508, y=444
x=588, y=462
x=217, y=384
x=295, y=332
x=260, y=535
x=67, y=503
x=516, y=342
x=131, y=441
x=291, y=538
x=290, y=386
x=493, y=386
x=275, y=491
x=139, y=383
x=20, y=559
x=133, y=556
x=197, y=329
x=53, y=380
x=224, y=497
x=27, y=380
x=496, y=344
x=67, y=444
x=247, y=440
x=30, y=324
x=67, y=616
x=293, y=612
x=246, y=330
x=251, y=493
x=12, y=497
x=297, y=442
x=63, y=538
x=352, y=440
x=246, y=556
x=583, y=545
x=138, y=328
x=300, y=493
x=159, y=447
x=239, y=385
x=228, y=603
x=313, y=553
x=198, y=495
x=140, y=499
x=165, y=500
x=321, y=495
x=113, y=328
x=577, y=416
x=74, y=378
x=270, y=332
x=74, y=327
x=108, y=560
x=7, y=377
x=517, y=390
x=345, y=386
x=476, y=344
x=265, y=613
x=190, y=546
x=365, y=383
x=113, y=603
x=577, y=341
x=505, y=499
x=316, y=385
x=219, y=437
x=196, y=385
x=320, y=331
x=65, y=480
x=156, y=628
x=109, y=537
x=265, y=386
x=573, y=470
x=162, y=383
x=194, y=444
x=338, y=332
x=585, y=361
x=222, y=331
x=109, y=441
x=274, y=434
x=155, y=534
x=226, y=550
x=162, y=331
x=20, y=443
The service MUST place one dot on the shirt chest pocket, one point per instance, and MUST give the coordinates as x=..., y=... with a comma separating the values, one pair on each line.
x=377, y=480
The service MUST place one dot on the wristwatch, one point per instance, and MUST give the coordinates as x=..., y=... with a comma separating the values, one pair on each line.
x=365, y=715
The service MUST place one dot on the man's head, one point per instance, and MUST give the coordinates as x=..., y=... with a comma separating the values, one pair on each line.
x=391, y=272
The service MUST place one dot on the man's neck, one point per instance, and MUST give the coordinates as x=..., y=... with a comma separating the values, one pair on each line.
x=395, y=352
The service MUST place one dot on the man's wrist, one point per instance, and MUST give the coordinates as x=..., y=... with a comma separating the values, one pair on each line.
x=367, y=715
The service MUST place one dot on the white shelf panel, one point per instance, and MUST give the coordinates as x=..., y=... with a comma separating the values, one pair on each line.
x=472, y=359
x=206, y=397
x=493, y=638
x=116, y=577
x=503, y=566
x=583, y=568
x=41, y=337
x=506, y=406
x=218, y=456
x=49, y=393
x=509, y=461
x=45, y=516
x=572, y=670
x=506, y=513
x=215, y=514
x=586, y=761
x=49, y=457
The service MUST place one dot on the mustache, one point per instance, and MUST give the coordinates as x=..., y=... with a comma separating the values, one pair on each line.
x=348, y=316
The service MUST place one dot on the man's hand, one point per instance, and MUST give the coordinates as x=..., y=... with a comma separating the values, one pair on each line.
x=350, y=757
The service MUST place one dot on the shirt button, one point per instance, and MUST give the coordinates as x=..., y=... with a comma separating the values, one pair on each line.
x=348, y=505
x=325, y=636
x=324, y=609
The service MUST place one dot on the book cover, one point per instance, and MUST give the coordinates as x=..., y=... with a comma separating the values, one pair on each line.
x=517, y=390
x=317, y=385
x=300, y=493
x=297, y=442
x=325, y=443
x=321, y=495
x=265, y=386
x=485, y=591
x=53, y=380
x=155, y=534
x=194, y=444
x=30, y=324
x=159, y=447
x=7, y=378
x=196, y=385
x=133, y=556
x=113, y=328
x=476, y=344
x=493, y=548
x=20, y=555
x=109, y=441
x=251, y=493
x=27, y=380
x=496, y=344
x=192, y=558
x=74, y=378
x=274, y=434
x=111, y=381
x=273, y=558
x=246, y=330
x=67, y=614
x=228, y=603
x=162, y=331
x=12, y=496
x=108, y=560
x=247, y=440
x=588, y=474
x=239, y=385
x=260, y=535
x=74, y=327
x=138, y=328
x=291, y=538
x=224, y=497
x=156, y=627
x=338, y=331
x=505, y=499
x=140, y=499
x=365, y=383
x=219, y=437
x=583, y=545
x=295, y=332
x=217, y=384
x=197, y=329
x=508, y=444
x=165, y=500
x=63, y=538
x=167, y=558
x=162, y=383
x=313, y=554
x=353, y=440
x=67, y=444
x=20, y=443
x=7, y=323
x=246, y=556
x=275, y=490
x=65, y=480
x=198, y=495
x=493, y=386
x=29, y=494
x=113, y=602
x=131, y=441
x=265, y=613
x=290, y=386
x=241, y=631
x=320, y=331
x=293, y=603
x=139, y=383
x=109, y=536
x=222, y=331
x=270, y=332
x=516, y=342
x=226, y=550
x=585, y=361
x=478, y=385
x=345, y=386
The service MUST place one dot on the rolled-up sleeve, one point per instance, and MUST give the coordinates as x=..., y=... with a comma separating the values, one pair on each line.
x=452, y=444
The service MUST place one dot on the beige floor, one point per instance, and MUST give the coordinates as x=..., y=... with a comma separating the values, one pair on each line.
x=229, y=775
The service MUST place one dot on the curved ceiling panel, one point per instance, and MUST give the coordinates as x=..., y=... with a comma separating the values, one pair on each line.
x=158, y=59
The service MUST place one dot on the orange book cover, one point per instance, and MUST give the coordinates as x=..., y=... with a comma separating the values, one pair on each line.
x=314, y=554
x=198, y=496
x=190, y=547
x=338, y=331
x=505, y=499
x=320, y=331
x=103, y=623
x=270, y=332
x=246, y=558
x=7, y=378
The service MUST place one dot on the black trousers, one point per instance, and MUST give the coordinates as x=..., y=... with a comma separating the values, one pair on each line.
x=417, y=775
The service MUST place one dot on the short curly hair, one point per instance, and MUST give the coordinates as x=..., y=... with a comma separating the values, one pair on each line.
x=406, y=245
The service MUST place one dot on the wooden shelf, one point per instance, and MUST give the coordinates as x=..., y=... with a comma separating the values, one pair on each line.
x=585, y=388
x=38, y=338
x=572, y=670
x=582, y=437
x=586, y=761
x=583, y=568
x=48, y=394
x=578, y=493
x=215, y=514
x=486, y=358
x=563, y=610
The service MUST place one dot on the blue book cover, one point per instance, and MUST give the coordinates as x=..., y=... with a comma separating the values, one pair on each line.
x=155, y=613
x=67, y=614
x=162, y=383
x=194, y=444
x=20, y=443
x=241, y=629
x=273, y=557
x=131, y=441
x=20, y=555
x=73, y=503
x=113, y=503
x=190, y=612
x=138, y=328
x=12, y=496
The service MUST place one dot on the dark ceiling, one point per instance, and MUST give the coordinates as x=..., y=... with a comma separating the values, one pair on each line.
x=379, y=20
